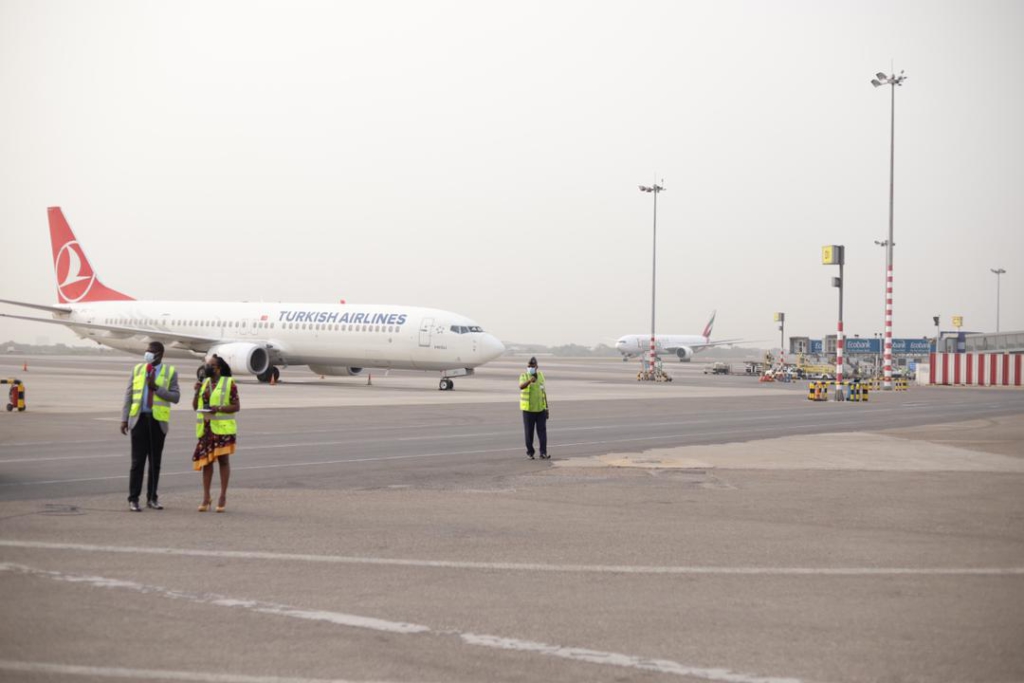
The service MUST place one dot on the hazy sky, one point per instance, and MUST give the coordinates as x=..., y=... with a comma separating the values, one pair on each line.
x=484, y=158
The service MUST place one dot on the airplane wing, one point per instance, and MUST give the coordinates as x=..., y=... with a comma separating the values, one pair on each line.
x=707, y=345
x=720, y=342
x=185, y=341
x=41, y=307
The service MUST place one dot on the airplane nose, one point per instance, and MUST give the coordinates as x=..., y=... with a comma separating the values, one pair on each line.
x=491, y=347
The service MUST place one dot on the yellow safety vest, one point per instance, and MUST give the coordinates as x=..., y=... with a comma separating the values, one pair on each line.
x=533, y=399
x=161, y=408
x=220, y=423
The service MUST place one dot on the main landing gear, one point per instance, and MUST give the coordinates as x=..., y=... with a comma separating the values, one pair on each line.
x=272, y=375
x=446, y=384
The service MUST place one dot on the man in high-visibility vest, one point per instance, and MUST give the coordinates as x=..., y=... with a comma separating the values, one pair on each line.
x=533, y=401
x=152, y=389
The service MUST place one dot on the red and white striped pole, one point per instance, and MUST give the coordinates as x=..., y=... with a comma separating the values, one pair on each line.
x=887, y=352
x=653, y=356
x=892, y=80
x=839, y=356
x=840, y=342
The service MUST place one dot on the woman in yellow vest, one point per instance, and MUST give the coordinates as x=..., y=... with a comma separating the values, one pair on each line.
x=215, y=402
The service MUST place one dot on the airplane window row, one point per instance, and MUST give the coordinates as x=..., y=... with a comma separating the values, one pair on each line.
x=337, y=327
x=462, y=329
x=187, y=323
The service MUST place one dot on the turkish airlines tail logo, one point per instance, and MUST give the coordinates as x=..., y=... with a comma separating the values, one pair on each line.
x=711, y=323
x=76, y=280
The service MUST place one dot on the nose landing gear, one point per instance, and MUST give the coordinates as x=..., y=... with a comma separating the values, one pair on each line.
x=446, y=384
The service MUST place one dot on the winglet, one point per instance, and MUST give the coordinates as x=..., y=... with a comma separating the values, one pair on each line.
x=711, y=323
x=76, y=280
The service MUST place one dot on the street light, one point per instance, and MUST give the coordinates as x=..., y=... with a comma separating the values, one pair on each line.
x=892, y=80
x=654, y=189
x=998, y=272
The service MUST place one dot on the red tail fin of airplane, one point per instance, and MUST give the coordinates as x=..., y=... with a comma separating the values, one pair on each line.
x=76, y=280
x=711, y=324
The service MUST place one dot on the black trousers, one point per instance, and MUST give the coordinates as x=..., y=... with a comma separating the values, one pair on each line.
x=147, y=444
x=540, y=422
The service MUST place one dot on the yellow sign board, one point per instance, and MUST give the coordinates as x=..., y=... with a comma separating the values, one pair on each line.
x=779, y=317
x=832, y=255
x=958, y=321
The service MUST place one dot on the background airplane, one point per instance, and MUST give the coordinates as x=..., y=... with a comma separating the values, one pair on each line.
x=683, y=346
x=260, y=338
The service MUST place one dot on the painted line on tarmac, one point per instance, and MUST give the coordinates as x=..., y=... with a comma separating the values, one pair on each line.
x=520, y=566
x=265, y=467
x=151, y=674
x=763, y=432
x=664, y=666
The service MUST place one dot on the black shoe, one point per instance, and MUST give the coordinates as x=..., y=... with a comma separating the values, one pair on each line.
x=154, y=505
x=545, y=456
x=133, y=505
x=530, y=456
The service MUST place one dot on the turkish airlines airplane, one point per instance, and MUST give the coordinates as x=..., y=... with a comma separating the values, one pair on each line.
x=260, y=338
x=684, y=346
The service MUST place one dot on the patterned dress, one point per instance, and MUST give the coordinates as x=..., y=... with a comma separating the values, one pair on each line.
x=211, y=446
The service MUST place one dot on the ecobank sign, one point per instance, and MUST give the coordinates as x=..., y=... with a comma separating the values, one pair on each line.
x=900, y=347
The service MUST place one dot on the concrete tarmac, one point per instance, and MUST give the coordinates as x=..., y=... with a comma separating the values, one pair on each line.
x=713, y=528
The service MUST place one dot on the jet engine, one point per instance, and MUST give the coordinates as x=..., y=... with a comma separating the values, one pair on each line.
x=243, y=357
x=685, y=353
x=335, y=370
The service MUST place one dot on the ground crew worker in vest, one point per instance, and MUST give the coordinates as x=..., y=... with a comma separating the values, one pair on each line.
x=215, y=402
x=146, y=413
x=533, y=401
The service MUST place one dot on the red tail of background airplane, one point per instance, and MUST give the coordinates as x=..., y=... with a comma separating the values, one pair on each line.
x=711, y=324
x=76, y=280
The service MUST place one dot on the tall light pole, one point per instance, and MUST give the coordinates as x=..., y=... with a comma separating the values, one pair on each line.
x=892, y=80
x=999, y=272
x=654, y=189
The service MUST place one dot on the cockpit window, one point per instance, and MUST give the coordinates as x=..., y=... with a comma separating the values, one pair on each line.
x=476, y=328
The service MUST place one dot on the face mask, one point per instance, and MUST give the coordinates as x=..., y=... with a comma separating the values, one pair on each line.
x=149, y=357
x=532, y=371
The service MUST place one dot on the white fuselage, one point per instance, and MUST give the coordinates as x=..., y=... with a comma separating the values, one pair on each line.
x=335, y=335
x=639, y=344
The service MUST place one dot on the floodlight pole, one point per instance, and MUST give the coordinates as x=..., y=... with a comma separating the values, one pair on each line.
x=999, y=272
x=654, y=189
x=891, y=80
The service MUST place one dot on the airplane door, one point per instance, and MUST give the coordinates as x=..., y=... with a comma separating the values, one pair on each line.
x=425, y=326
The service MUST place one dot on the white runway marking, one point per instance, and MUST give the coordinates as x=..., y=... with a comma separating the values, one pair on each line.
x=314, y=463
x=664, y=666
x=523, y=566
x=150, y=674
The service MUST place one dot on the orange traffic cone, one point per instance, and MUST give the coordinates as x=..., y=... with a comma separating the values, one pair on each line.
x=24, y=367
x=273, y=380
x=369, y=379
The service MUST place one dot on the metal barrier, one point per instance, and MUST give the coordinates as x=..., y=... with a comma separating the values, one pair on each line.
x=16, y=397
